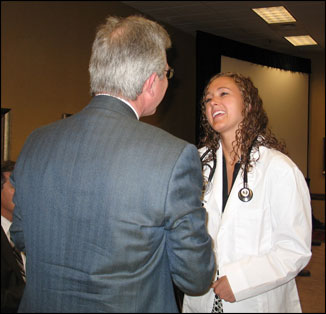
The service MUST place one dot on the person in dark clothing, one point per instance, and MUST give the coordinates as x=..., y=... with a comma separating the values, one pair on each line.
x=12, y=279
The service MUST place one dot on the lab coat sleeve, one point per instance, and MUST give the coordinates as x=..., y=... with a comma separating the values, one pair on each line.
x=288, y=199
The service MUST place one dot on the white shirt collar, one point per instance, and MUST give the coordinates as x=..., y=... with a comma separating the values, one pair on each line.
x=5, y=224
x=123, y=100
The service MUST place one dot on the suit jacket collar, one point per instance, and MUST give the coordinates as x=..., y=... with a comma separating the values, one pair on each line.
x=112, y=104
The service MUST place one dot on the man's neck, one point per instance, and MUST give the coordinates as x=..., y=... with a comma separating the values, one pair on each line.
x=130, y=103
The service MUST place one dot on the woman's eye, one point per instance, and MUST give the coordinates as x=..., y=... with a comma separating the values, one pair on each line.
x=207, y=101
x=224, y=93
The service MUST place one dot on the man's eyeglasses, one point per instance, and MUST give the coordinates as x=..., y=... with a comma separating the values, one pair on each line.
x=169, y=73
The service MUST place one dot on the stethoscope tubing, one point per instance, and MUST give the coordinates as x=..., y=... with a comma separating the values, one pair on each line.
x=245, y=194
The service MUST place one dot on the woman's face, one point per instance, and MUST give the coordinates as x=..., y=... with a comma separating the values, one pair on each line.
x=224, y=105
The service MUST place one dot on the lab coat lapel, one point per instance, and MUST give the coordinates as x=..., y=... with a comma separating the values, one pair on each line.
x=216, y=195
x=213, y=200
x=233, y=200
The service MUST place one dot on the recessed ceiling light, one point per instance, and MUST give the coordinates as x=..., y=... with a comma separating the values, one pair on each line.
x=301, y=40
x=275, y=15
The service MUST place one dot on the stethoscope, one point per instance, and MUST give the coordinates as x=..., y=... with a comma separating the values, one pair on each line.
x=245, y=194
x=208, y=180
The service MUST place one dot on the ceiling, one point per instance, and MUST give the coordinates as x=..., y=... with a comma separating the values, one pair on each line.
x=235, y=20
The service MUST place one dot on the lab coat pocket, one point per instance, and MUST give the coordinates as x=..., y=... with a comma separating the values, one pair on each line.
x=249, y=224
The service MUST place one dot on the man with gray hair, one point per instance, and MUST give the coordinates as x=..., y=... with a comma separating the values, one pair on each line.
x=108, y=208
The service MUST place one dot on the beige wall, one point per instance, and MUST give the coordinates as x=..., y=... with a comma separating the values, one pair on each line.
x=45, y=49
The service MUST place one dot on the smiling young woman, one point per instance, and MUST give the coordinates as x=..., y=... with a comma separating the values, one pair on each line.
x=258, y=205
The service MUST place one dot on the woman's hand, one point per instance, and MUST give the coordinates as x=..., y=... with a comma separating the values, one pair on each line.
x=223, y=289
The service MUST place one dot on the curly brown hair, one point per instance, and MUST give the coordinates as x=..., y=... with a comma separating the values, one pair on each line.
x=254, y=124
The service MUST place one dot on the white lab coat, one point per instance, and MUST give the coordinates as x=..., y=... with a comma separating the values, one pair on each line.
x=263, y=244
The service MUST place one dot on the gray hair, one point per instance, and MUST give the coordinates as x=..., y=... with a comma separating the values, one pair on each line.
x=125, y=52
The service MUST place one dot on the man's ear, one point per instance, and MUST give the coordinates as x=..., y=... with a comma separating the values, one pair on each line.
x=148, y=86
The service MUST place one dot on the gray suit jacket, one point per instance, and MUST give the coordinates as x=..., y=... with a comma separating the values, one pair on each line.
x=108, y=211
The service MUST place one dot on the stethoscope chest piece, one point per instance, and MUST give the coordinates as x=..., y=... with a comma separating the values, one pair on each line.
x=245, y=194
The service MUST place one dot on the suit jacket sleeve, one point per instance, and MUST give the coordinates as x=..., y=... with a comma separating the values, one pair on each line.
x=188, y=243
